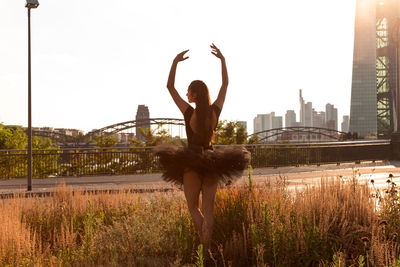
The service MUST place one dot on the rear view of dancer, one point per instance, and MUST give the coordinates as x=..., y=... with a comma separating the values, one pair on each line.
x=199, y=167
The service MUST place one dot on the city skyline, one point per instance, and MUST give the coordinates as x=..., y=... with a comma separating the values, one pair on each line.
x=143, y=113
x=308, y=117
x=93, y=70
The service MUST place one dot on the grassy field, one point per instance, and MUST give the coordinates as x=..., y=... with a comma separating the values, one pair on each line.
x=335, y=223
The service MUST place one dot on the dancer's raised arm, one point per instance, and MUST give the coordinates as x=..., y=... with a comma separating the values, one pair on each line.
x=182, y=104
x=219, y=102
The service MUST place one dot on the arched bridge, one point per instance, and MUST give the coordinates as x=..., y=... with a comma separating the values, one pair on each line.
x=115, y=128
x=298, y=133
x=111, y=129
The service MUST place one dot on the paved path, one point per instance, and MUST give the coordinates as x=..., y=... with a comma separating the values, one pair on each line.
x=294, y=176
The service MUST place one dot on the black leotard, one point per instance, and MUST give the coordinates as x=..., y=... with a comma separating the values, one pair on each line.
x=194, y=139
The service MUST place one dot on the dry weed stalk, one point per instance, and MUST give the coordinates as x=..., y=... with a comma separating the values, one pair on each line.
x=333, y=221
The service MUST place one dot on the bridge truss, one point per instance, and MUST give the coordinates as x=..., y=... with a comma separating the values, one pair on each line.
x=301, y=132
x=122, y=126
x=111, y=129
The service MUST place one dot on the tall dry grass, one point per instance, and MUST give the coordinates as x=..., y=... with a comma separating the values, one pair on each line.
x=330, y=224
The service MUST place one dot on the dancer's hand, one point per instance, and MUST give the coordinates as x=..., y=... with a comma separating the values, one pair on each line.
x=216, y=52
x=181, y=56
x=182, y=105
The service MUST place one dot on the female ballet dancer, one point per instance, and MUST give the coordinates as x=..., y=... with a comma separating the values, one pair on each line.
x=199, y=167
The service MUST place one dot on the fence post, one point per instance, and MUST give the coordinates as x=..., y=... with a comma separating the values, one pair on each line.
x=395, y=146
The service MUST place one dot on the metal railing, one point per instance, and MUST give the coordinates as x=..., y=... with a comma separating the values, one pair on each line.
x=120, y=161
x=317, y=154
x=78, y=162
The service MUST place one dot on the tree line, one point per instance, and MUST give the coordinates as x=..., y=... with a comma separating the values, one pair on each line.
x=14, y=137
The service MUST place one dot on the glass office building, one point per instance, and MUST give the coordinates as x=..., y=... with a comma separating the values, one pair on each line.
x=374, y=79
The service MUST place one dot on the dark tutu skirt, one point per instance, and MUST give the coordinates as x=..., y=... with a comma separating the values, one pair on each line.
x=225, y=163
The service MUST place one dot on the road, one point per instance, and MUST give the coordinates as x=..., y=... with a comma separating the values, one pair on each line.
x=295, y=177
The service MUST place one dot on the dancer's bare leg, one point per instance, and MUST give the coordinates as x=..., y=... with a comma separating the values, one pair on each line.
x=209, y=189
x=192, y=187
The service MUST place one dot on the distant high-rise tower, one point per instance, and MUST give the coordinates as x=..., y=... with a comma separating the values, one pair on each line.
x=331, y=117
x=302, y=107
x=318, y=119
x=263, y=122
x=290, y=118
x=258, y=123
x=374, y=68
x=345, y=123
x=305, y=112
x=142, y=120
x=308, y=115
x=276, y=122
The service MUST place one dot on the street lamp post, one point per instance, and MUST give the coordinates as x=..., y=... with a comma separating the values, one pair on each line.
x=30, y=4
x=397, y=101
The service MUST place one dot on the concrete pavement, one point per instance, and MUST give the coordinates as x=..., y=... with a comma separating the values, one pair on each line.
x=294, y=176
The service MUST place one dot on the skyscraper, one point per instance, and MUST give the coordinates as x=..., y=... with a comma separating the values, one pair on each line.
x=265, y=122
x=257, y=123
x=374, y=68
x=302, y=107
x=305, y=112
x=331, y=116
x=261, y=123
x=308, y=114
x=290, y=118
x=318, y=119
x=276, y=122
x=142, y=120
x=345, y=123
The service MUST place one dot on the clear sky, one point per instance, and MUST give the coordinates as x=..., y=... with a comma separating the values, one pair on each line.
x=95, y=61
